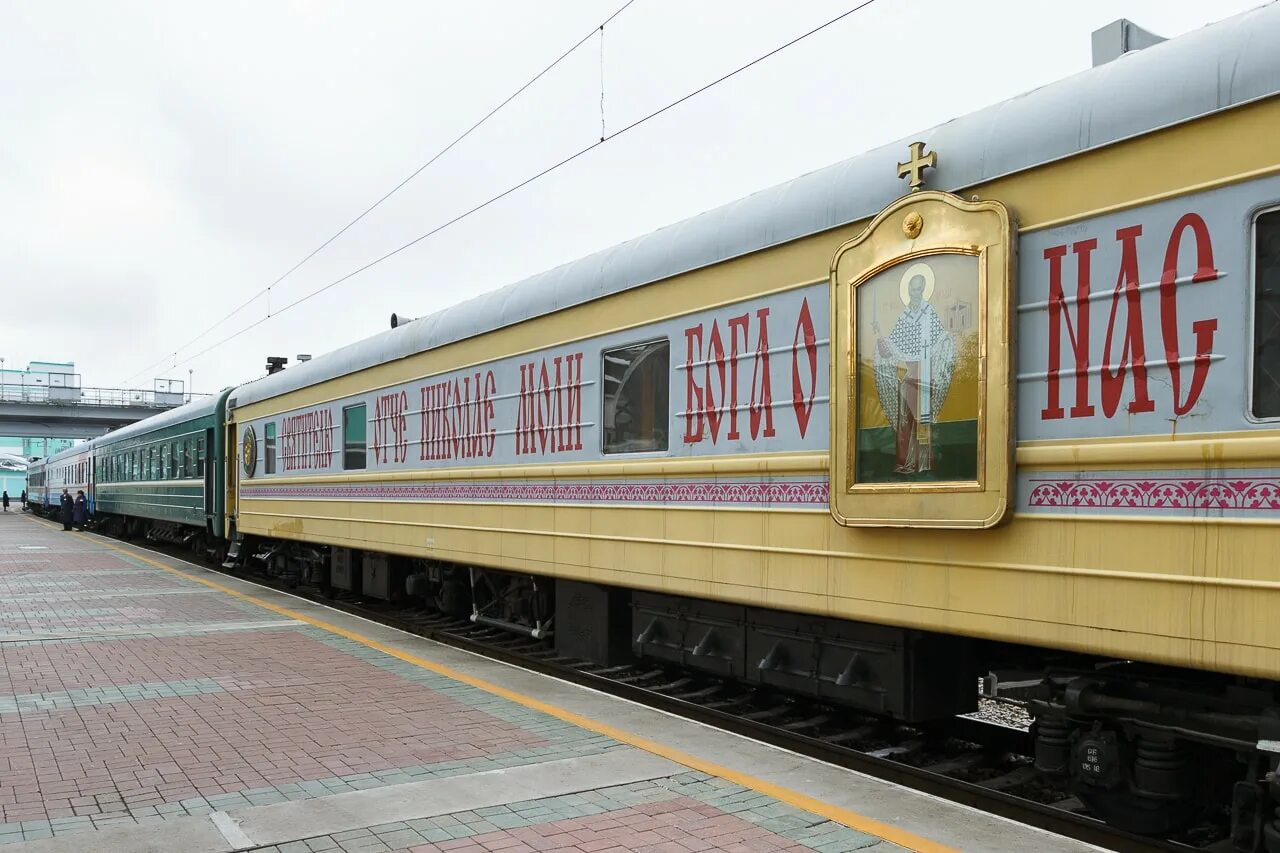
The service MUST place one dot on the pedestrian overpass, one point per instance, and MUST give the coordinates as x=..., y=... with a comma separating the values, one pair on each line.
x=63, y=409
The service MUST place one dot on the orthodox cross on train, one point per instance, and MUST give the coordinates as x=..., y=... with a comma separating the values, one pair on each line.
x=914, y=168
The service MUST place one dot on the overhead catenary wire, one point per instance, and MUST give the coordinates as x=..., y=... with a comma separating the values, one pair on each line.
x=532, y=178
x=445, y=150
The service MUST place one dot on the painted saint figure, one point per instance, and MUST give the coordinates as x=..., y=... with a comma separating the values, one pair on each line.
x=913, y=368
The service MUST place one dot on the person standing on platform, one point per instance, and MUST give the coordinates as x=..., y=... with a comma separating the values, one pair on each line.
x=80, y=511
x=5, y=500
x=64, y=510
x=24, y=500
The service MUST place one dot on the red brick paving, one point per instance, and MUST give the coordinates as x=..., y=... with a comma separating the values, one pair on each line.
x=680, y=825
x=294, y=709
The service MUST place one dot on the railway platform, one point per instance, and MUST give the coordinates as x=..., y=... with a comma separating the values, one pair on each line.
x=149, y=704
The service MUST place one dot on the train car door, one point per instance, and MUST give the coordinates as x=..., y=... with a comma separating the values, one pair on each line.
x=231, y=452
x=205, y=461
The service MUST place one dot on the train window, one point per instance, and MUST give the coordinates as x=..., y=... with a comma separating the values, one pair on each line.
x=199, y=457
x=637, y=384
x=1266, y=315
x=353, y=438
x=269, y=458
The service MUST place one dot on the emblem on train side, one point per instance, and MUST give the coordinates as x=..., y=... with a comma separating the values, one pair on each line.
x=921, y=306
x=249, y=451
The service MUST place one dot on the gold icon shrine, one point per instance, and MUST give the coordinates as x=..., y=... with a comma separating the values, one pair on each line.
x=921, y=402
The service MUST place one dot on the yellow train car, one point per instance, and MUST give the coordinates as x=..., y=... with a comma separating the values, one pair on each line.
x=1005, y=393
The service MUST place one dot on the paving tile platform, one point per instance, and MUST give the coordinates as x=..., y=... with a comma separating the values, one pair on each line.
x=147, y=703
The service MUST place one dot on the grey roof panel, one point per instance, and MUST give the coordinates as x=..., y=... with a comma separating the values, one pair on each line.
x=1222, y=65
x=200, y=408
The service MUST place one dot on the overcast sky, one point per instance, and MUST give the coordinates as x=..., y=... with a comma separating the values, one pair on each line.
x=164, y=161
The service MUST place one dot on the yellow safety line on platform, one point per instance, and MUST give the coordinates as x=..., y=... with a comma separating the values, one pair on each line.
x=853, y=820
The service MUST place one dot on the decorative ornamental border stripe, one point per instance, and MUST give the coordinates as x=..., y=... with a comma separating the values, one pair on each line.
x=792, y=493
x=1189, y=493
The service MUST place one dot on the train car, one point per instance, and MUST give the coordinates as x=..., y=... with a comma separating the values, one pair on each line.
x=160, y=479
x=1004, y=394
x=70, y=469
x=36, y=489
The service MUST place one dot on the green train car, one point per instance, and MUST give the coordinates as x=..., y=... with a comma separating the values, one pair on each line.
x=160, y=478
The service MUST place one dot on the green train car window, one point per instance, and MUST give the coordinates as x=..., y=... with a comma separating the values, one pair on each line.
x=1266, y=315
x=353, y=438
x=199, y=457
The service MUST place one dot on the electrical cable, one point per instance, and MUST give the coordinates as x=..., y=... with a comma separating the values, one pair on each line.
x=470, y=130
x=524, y=183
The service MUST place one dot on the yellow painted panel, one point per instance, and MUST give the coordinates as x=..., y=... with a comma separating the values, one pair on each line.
x=1162, y=591
x=738, y=568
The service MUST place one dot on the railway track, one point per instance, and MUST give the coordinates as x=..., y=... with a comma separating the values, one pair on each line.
x=971, y=760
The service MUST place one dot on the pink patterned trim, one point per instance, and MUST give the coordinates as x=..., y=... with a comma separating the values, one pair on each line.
x=1239, y=493
x=803, y=492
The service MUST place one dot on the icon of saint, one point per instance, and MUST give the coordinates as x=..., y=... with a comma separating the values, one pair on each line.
x=913, y=368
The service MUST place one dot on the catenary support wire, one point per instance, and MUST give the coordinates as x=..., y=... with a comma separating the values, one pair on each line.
x=531, y=179
x=458, y=139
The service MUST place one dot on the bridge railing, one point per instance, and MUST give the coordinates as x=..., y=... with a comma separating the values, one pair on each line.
x=66, y=390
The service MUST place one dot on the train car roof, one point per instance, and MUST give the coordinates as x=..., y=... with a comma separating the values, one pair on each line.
x=1222, y=65
x=186, y=412
x=73, y=450
x=200, y=408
